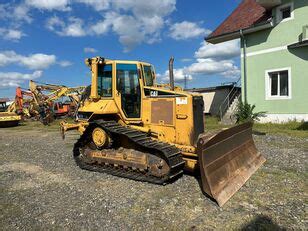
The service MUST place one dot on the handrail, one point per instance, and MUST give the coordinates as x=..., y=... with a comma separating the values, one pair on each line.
x=229, y=99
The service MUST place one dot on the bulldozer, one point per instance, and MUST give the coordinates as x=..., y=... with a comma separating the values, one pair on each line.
x=7, y=118
x=132, y=127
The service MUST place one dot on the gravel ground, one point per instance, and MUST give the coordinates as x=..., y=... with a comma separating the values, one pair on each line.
x=42, y=188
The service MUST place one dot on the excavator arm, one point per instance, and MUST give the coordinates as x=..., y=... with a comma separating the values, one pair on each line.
x=54, y=91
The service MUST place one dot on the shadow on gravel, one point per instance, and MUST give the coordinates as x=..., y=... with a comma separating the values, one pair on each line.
x=262, y=222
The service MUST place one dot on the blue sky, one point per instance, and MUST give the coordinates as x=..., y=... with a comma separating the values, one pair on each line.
x=49, y=40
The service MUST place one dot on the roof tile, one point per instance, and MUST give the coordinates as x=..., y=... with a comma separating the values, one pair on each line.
x=247, y=14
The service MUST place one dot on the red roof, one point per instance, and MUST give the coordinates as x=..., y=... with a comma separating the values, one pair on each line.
x=246, y=15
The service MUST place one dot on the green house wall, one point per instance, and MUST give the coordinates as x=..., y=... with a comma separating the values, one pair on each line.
x=267, y=50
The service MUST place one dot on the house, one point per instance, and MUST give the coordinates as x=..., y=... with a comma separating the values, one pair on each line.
x=217, y=98
x=274, y=55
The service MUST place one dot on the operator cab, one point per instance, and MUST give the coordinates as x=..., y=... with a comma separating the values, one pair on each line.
x=129, y=76
x=3, y=105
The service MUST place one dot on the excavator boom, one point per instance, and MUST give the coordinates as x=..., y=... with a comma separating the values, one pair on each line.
x=48, y=94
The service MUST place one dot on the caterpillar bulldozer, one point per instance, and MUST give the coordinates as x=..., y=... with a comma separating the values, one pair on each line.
x=132, y=127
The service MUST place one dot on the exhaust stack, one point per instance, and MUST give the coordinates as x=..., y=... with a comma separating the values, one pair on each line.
x=171, y=76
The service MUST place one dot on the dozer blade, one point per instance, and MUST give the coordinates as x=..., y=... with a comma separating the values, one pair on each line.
x=227, y=160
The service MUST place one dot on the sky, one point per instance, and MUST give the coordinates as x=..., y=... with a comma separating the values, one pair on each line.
x=48, y=40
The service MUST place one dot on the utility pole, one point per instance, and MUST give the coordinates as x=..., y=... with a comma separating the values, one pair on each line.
x=185, y=82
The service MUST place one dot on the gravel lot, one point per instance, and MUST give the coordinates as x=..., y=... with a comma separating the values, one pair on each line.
x=41, y=187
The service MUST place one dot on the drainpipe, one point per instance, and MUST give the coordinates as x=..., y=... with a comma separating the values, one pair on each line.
x=243, y=39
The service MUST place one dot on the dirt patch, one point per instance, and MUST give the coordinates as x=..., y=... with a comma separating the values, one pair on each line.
x=37, y=177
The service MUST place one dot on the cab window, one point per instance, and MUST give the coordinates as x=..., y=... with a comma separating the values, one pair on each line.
x=104, y=85
x=148, y=75
x=128, y=86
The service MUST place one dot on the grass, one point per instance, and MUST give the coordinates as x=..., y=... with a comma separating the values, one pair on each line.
x=212, y=123
x=37, y=125
x=292, y=128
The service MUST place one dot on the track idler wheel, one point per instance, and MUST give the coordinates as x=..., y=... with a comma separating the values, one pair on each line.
x=100, y=138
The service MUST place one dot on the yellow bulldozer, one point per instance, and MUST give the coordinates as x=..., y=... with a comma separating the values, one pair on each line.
x=132, y=127
x=7, y=118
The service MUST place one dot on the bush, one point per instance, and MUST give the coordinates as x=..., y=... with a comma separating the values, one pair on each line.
x=245, y=113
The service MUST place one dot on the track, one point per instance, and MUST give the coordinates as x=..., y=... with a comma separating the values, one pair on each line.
x=169, y=153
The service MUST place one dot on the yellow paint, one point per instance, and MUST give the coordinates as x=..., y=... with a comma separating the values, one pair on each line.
x=99, y=137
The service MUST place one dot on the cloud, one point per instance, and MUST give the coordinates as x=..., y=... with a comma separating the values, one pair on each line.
x=89, y=50
x=37, y=61
x=186, y=60
x=97, y=5
x=134, y=21
x=186, y=30
x=11, y=34
x=128, y=29
x=131, y=30
x=226, y=68
x=179, y=75
x=212, y=60
x=21, y=13
x=65, y=63
x=61, y=5
x=141, y=8
x=11, y=19
x=33, y=62
x=203, y=67
x=14, y=79
x=73, y=27
x=101, y=27
x=145, y=20
x=15, y=13
x=221, y=51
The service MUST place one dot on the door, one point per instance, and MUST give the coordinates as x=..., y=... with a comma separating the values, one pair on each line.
x=104, y=83
x=129, y=88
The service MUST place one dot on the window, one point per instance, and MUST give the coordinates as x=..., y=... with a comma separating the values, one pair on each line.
x=2, y=106
x=285, y=12
x=278, y=84
x=128, y=86
x=148, y=75
x=104, y=85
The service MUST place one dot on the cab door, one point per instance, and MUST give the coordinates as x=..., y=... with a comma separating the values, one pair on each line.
x=128, y=87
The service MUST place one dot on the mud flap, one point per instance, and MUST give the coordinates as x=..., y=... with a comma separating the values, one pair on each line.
x=227, y=160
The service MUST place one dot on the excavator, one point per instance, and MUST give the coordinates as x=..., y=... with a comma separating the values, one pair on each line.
x=134, y=128
x=28, y=103
x=23, y=104
x=49, y=94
